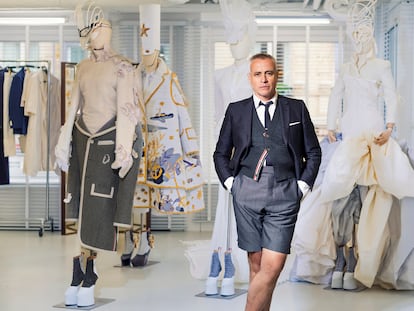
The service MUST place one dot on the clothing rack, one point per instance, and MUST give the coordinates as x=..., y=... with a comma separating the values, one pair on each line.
x=45, y=65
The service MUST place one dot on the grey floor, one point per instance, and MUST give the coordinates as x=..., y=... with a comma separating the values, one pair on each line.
x=35, y=271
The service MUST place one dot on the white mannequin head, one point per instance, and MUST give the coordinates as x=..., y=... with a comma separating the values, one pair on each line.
x=241, y=49
x=100, y=36
x=239, y=25
x=87, y=15
x=363, y=40
x=150, y=61
x=360, y=27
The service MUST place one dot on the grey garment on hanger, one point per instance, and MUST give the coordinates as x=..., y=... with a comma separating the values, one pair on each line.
x=345, y=215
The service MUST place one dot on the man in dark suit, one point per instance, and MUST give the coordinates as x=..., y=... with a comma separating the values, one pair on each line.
x=267, y=156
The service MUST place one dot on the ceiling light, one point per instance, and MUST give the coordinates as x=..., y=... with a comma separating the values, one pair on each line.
x=293, y=21
x=26, y=21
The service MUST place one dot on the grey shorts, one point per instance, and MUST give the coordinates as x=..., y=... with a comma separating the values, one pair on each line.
x=266, y=211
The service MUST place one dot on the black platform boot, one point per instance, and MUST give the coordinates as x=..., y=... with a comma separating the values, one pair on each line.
x=141, y=258
x=129, y=248
x=77, y=278
x=86, y=296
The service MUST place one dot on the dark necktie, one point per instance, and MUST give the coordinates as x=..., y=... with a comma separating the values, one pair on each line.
x=267, y=123
x=267, y=113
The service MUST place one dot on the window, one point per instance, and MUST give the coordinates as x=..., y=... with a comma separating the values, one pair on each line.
x=37, y=51
x=36, y=48
x=11, y=51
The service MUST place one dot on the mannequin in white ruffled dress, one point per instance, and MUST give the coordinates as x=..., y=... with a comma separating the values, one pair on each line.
x=348, y=228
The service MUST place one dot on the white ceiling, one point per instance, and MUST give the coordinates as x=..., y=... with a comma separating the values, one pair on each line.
x=184, y=9
x=167, y=5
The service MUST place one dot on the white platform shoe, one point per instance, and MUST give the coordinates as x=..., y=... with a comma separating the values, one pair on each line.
x=77, y=279
x=349, y=281
x=337, y=280
x=211, y=286
x=227, y=287
x=86, y=296
x=82, y=295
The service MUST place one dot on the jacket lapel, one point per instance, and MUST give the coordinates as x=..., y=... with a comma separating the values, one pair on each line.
x=247, y=124
x=284, y=111
x=156, y=79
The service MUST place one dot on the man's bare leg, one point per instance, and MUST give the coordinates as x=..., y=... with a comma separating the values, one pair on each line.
x=265, y=268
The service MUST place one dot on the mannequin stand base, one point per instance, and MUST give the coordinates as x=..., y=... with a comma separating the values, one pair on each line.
x=237, y=292
x=149, y=263
x=98, y=303
x=360, y=288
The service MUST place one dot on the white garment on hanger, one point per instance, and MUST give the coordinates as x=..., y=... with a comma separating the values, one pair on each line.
x=8, y=136
x=35, y=98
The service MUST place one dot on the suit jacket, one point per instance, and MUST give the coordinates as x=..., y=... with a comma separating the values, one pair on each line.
x=298, y=134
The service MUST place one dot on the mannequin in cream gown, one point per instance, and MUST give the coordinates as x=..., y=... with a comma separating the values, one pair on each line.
x=368, y=157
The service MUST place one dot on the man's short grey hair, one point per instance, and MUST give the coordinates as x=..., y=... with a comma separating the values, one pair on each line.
x=264, y=56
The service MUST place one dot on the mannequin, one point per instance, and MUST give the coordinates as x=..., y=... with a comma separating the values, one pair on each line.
x=170, y=191
x=237, y=72
x=367, y=67
x=231, y=84
x=150, y=61
x=365, y=176
x=170, y=180
x=105, y=143
x=137, y=249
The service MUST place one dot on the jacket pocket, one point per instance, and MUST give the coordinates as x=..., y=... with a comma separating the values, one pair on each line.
x=102, y=191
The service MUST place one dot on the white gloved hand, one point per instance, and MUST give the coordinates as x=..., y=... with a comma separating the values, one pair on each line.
x=124, y=166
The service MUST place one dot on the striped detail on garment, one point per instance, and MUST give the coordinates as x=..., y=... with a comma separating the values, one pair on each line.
x=260, y=164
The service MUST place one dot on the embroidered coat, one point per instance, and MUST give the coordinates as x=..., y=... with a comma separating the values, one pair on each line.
x=170, y=179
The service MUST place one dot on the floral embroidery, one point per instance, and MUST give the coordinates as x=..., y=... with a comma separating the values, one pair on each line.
x=131, y=111
x=165, y=167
